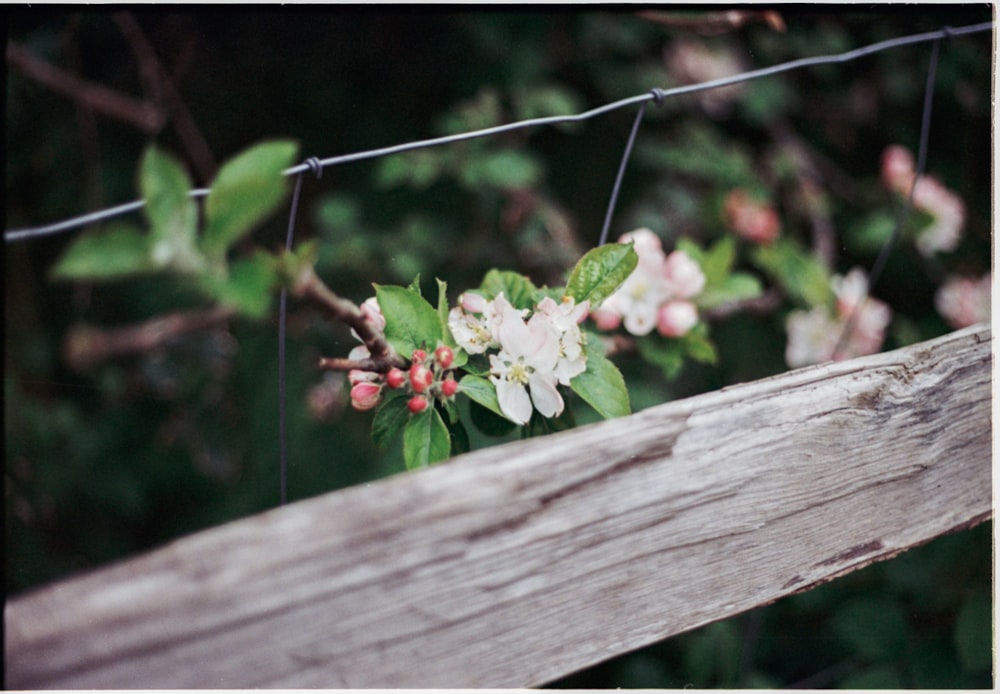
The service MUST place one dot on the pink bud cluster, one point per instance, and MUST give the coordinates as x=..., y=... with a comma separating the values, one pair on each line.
x=930, y=196
x=658, y=292
x=426, y=378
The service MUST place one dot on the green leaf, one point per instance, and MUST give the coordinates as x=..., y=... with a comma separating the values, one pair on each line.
x=666, y=353
x=172, y=213
x=425, y=439
x=390, y=418
x=798, y=272
x=698, y=346
x=248, y=188
x=489, y=422
x=602, y=387
x=410, y=322
x=600, y=272
x=459, y=437
x=517, y=288
x=506, y=169
x=738, y=286
x=482, y=391
x=112, y=253
x=717, y=260
x=247, y=286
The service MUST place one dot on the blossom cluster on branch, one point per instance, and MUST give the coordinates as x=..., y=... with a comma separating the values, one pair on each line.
x=657, y=294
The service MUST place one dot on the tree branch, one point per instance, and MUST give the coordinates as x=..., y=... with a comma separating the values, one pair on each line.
x=310, y=287
x=161, y=89
x=86, y=346
x=142, y=114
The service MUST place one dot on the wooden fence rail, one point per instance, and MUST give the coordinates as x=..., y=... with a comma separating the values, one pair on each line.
x=515, y=565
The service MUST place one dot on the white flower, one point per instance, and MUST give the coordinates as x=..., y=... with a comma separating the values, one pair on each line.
x=812, y=337
x=565, y=319
x=474, y=322
x=524, y=370
x=640, y=296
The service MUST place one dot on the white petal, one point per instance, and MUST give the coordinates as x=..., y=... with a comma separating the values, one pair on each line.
x=546, y=397
x=514, y=401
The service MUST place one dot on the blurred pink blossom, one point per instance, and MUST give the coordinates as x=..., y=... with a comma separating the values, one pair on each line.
x=930, y=196
x=964, y=301
x=676, y=318
x=749, y=219
x=814, y=335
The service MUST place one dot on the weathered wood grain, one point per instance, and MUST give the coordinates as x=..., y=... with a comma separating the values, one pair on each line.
x=515, y=565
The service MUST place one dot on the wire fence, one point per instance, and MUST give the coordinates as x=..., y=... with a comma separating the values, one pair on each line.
x=656, y=95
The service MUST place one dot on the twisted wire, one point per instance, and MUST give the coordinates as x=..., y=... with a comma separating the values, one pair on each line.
x=658, y=95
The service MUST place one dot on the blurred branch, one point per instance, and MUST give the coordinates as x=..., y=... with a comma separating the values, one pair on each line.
x=711, y=23
x=86, y=346
x=144, y=115
x=161, y=89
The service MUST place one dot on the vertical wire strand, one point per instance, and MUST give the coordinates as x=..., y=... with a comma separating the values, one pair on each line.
x=883, y=257
x=621, y=174
x=282, y=389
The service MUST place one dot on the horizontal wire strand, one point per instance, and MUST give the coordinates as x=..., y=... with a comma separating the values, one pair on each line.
x=658, y=94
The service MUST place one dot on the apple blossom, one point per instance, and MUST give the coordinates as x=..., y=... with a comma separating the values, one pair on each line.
x=565, y=318
x=523, y=372
x=929, y=195
x=474, y=322
x=684, y=278
x=656, y=280
x=814, y=336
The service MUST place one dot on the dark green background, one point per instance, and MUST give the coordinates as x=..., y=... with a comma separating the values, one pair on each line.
x=103, y=464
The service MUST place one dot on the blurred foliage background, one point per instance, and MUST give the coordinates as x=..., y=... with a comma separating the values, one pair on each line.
x=105, y=462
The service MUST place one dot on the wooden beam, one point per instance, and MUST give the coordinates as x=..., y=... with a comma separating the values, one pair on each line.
x=515, y=565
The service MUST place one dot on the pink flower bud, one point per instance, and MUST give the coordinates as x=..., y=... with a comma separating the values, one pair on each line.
x=751, y=220
x=395, y=378
x=420, y=378
x=444, y=356
x=365, y=396
x=418, y=403
x=356, y=376
x=474, y=303
x=449, y=387
x=676, y=318
x=606, y=319
x=419, y=356
x=898, y=169
x=372, y=312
